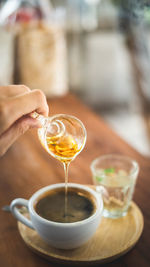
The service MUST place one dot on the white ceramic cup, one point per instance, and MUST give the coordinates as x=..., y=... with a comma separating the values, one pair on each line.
x=60, y=235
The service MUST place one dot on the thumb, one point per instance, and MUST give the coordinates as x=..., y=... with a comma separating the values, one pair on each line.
x=16, y=130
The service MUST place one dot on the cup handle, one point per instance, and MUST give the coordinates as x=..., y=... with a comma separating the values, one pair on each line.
x=17, y=214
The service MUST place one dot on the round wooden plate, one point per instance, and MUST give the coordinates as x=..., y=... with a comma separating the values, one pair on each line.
x=113, y=238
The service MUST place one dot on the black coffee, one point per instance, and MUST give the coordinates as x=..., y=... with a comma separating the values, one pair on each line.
x=51, y=206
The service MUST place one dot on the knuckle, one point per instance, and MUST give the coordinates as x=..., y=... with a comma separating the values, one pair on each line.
x=2, y=150
x=47, y=109
x=22, y=127
x=25, y=88
x=41, y=100
x=3, y=113
x=40, y=95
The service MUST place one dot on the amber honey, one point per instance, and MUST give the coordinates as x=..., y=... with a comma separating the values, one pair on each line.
x=65, y=147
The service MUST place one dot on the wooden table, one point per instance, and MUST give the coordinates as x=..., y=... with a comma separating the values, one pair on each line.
x=27, y=167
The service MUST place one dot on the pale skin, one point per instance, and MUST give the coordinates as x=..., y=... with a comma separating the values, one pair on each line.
x=17, y=102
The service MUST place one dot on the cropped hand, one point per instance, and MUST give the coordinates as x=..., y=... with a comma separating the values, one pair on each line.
x=17, y=102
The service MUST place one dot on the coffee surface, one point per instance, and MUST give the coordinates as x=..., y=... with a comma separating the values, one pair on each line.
x=51, y=206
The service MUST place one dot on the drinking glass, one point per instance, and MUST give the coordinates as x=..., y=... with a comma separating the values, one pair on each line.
x=115, y=177
x=63, y=136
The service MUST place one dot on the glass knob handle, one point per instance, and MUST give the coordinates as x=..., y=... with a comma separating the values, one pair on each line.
x=43, y=120
x=56, y=127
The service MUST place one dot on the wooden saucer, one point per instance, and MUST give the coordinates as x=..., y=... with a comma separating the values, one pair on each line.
x=113, y=238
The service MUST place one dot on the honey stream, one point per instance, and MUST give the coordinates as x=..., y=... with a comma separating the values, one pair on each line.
x=64, y=148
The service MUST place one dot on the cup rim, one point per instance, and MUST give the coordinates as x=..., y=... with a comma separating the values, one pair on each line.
x=69, y=116
x=98, y=199
x=135, y=165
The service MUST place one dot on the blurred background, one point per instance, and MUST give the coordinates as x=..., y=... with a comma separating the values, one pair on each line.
x=97, y=49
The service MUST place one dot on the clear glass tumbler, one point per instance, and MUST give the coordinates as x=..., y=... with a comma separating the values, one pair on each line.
x=115, y=177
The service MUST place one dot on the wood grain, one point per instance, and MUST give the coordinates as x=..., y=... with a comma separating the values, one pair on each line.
x=112, y=239
x=27, y=167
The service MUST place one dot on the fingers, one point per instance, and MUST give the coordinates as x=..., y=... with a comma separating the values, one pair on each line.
x=14, y=108
x=35, y=100
x=17, y=129
x=13, y=90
